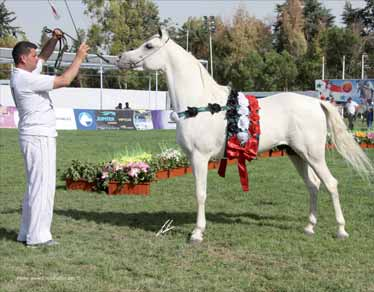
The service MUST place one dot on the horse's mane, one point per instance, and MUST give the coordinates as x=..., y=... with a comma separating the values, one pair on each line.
x=212, y=90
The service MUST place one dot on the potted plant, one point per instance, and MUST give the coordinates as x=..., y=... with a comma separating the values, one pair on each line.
x=130, y=178
x=172, y=160
x=81, y=176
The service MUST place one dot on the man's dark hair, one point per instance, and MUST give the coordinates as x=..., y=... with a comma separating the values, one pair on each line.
x=22, y=48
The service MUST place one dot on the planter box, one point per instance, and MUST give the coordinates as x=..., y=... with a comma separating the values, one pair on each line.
x=231, y=161
x=80, y=185
x=213, y=164
x=180, y=171
x=370, y=145
x=114, y=188
x=162, y=174
x=188, y=169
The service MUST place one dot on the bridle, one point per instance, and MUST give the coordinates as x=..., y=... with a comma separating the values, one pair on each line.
x=133, y=65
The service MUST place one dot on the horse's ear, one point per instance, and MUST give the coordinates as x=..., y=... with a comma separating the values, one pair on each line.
x=164, y=36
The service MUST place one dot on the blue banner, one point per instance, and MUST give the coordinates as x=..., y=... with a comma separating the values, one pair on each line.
x=85, y=119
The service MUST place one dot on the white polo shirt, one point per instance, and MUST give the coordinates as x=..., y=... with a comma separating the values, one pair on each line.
x=351, y=107
x=35, y=107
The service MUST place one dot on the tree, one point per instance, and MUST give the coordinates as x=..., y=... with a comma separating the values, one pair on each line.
x=336, y=43
x=119, y=26
x=288, y=30
x=317, y=19
x=8, y=35
x=6, y=18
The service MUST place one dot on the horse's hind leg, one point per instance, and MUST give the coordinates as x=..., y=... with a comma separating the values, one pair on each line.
x=313, y=183
x=200, y=172
x=320, y=167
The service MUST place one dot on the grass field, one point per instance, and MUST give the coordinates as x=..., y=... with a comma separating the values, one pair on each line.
x=254, y=241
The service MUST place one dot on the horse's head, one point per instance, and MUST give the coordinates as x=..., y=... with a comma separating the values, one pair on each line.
x=149, y=56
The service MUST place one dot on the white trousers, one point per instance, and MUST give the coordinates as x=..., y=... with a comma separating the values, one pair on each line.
x=39, y=155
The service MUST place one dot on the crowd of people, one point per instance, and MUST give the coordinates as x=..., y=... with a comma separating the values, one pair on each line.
x=352, y=111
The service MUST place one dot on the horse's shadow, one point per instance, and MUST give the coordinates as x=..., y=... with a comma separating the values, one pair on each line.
x=152, y=221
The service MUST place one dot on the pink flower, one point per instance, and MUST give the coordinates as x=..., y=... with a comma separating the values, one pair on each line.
x=371, y=135
x=133, y=172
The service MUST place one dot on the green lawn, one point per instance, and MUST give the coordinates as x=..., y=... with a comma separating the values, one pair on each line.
x=254, y=241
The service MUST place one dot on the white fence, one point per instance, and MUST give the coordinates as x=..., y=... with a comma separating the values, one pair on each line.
x=96, y=98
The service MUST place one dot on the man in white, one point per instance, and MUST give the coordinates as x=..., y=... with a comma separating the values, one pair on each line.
x=37, y=134
x=351, y=107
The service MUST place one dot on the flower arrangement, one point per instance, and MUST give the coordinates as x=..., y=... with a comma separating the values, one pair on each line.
x=132, y=173
x=363, y=137
x=169, y=158
x=370, y=137
x=237, y=116
x=79, y=170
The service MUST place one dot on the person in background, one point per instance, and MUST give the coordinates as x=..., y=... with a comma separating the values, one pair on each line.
x=127, y=106
x=37, y=134
x=332, y=101
x=351, y=107
x=369, y=114
x=119, y=106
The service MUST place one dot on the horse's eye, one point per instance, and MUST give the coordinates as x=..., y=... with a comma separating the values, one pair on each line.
x=149, y=46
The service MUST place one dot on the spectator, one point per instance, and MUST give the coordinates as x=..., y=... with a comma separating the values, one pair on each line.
x=332, y=101
x=37, y=134
x=119, y=106
x=127, y=106
x=351, y=107
x=369, y=114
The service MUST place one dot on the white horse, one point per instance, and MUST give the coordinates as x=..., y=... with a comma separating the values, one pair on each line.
x=286, y=119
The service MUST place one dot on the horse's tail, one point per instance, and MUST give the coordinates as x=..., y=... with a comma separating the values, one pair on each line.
x=345, y=143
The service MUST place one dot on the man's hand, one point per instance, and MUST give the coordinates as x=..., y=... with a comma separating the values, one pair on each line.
x=57, y=34
x=82, y=51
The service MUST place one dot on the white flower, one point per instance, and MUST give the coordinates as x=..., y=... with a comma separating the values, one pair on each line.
x=243, y=123
x=242, y=100
x=243, y=137
x=243, y=111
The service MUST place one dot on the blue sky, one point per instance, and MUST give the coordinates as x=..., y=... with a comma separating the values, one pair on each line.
x=32, y=15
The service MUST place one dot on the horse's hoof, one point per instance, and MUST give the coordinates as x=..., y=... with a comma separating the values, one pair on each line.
x=342, y=235
x=308, y=231
x=195, y=241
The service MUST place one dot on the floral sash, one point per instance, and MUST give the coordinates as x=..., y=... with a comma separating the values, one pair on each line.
x=243, y=132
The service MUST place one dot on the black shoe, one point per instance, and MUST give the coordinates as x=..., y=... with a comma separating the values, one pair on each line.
x=47, y=243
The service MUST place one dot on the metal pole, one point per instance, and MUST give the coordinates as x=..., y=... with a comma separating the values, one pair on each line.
x=101, y=84
x=211, y=54
x=323, y=67
x=343, y=73
x=149, y=90
x=156, y=97
x=187, y=36
x=363, y=66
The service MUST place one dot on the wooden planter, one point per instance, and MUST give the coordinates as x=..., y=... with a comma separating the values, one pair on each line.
x=188, y=169
x=114, y=188
x=180, y=171
x=162, y=174
x=80, y=185
x=370, y=145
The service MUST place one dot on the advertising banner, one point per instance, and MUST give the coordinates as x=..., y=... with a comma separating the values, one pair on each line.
x=341, y=90
x=106, y=120
x=143, y=120
x=65, y=119
x=85, y=119
x=125, y=119
x=7, y=119
x=161, y=119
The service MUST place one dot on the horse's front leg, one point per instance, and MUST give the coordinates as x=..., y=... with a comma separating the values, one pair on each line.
x=200, y=172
